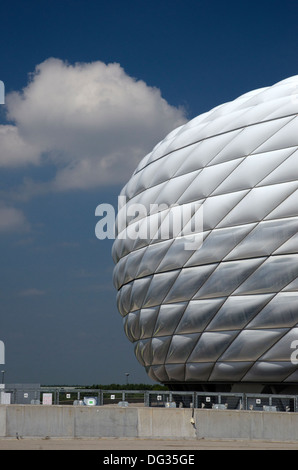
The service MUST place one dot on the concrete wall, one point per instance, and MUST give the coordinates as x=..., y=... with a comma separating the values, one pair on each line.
x=111, y=421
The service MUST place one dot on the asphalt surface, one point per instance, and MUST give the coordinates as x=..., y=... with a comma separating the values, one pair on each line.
x=117, y=444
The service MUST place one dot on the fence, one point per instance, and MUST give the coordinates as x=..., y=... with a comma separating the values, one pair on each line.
x=96, y=397
x=177, y=399
x=271, y=402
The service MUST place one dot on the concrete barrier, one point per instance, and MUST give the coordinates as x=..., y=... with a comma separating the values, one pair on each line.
x=142, y=422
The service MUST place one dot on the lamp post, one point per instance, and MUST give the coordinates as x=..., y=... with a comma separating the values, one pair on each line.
x=3, y=372
x=127, y=375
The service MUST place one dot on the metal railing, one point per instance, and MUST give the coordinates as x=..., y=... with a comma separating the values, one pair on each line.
x=233, y=401
x=271, y=402
x=99, y=397
x=161, y=399
x=224, y=401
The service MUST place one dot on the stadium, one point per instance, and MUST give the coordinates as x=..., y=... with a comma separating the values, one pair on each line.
x=215, y=308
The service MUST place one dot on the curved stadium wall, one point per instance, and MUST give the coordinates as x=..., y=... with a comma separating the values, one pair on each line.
x=222, y=313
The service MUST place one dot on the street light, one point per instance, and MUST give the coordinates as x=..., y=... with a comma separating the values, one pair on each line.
x=3, y=372
x=127, y=375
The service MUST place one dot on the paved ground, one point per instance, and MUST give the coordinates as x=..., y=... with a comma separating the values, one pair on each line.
x=111, y=444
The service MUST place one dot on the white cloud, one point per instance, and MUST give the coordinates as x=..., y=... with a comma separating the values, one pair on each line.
x=12, y=220
x=14, y=150
x=91, y=120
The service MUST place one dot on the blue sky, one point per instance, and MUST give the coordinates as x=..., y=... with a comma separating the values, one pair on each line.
x=91, y=87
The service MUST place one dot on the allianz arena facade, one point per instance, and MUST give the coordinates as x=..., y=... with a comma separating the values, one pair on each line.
x=221, y=315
